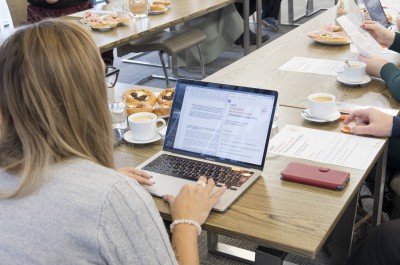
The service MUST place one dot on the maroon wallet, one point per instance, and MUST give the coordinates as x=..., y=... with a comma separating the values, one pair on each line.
x=316, y=176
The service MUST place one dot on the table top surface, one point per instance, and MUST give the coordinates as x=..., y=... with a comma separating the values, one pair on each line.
x=179, y=12
x=286, y=216
x=260, y=69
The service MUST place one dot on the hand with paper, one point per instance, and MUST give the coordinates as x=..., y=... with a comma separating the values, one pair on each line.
x=382, y=35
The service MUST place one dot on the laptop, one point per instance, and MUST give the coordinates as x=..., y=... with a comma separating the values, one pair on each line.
x=376, y=13
x=215, y=130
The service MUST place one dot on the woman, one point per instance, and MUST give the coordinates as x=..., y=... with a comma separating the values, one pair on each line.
x=61, y=200
x=382, y=246
x=380, y=67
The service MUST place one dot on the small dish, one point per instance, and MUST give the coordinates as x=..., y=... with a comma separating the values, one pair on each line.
x=102, y=29
x=129, y=138
x=365, y=80
x=305, y=114
x=158, y=12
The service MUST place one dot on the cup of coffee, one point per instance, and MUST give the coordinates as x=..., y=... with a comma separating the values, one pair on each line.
x=354, y=71
x=144, y=125
x=322, y=105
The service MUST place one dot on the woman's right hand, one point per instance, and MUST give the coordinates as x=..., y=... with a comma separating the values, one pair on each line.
x=194, y=202
x=382, y=35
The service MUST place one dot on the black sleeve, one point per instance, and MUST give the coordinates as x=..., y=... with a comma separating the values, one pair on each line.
x=396, y=127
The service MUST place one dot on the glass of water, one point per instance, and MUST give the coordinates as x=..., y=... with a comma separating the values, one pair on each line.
x=117, y=106
x=139, y=8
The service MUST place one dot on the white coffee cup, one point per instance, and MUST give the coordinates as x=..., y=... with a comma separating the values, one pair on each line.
x=355, y=72
x=144, y=125
x=322, y=105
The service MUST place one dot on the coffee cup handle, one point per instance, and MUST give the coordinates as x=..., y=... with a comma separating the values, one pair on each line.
x=163, y=123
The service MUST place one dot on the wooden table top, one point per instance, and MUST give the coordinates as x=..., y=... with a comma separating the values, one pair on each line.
x=286, y=216
x=260, y=69
x=179, y=12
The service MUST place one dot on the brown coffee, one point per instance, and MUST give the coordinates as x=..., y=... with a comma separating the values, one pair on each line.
x=142, y=119
x=322, y=99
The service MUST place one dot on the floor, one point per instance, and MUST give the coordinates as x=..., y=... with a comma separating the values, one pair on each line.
x=131, y=73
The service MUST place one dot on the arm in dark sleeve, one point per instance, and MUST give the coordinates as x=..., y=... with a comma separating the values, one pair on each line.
x=396, y=127
x=391, y=75
x=396, y=43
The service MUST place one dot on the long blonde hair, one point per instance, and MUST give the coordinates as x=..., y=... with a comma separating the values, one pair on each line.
x=53, y=102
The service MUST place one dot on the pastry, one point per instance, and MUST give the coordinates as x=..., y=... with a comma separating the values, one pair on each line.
x=166, y=96
x=143, y=96
x=157, y=7
x=164, y=3
x=132, y=108
x=162, y=110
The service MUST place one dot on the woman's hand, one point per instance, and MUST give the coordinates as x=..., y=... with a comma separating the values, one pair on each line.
x=382, y=35
x=141, y=176
x=374, y=64
x=194, y=202
x=370, y=122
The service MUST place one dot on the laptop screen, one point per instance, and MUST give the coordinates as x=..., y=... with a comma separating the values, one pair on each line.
x=223, y=123
x=376, y=12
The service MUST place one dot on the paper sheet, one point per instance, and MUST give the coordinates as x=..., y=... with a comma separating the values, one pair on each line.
x=315, y=66
x=344, y=107
x=327, y=147
x=365, y=43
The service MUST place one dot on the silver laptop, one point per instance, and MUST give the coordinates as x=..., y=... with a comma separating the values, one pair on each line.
x=214, y=130
x=376, y=13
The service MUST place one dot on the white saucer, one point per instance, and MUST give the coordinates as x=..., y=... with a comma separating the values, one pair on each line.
x=129, y=138
x=334, y=117
x=365, y=80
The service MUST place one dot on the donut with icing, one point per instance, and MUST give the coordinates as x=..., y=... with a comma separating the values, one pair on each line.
x=143, y=96
x=166, y=96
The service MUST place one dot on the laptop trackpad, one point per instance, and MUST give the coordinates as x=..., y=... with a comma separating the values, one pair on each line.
x=166, y=185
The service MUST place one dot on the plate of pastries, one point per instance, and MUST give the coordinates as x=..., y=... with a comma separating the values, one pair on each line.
x=143, y=100
x=104, y=21
x=330, y=35
x=159, y=7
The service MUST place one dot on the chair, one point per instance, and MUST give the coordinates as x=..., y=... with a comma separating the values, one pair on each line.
x=17, y=11
x=169, y=42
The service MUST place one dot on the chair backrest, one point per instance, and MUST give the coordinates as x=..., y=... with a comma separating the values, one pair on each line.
x=5, y=16
x=17, y=9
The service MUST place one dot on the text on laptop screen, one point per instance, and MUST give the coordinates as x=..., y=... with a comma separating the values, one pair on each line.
x=231, y=125
x=376, y=12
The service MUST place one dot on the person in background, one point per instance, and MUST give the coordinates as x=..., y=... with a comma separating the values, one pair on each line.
x=38, y=10
x=378, y=66
x=61, y=198
x=382, y=245
x=270, y=14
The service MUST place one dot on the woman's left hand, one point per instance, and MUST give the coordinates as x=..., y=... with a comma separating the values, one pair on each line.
x=141, y=176
x=374, y=64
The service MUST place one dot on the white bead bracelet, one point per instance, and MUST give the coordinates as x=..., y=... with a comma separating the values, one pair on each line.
x=185, y=221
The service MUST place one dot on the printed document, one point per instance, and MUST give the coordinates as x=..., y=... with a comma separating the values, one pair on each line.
x=361, y=38
x=348, y=107
x=314, y=66
x=327, y=147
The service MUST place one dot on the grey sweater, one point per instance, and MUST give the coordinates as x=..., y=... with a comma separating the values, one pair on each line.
x=83, y=214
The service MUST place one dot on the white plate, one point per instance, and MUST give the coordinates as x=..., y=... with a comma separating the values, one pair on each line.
x=330, y=41
x=365, y=80
x=158, y=12
x=334, y=117
x=129, y=138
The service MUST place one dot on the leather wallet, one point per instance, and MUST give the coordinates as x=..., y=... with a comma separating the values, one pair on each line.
x=316, y=176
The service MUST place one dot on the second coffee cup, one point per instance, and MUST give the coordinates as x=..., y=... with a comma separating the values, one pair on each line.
x=143, y=125
x=322, y=105
x=354, y=71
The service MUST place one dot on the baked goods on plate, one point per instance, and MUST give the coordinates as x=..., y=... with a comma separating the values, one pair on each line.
x=132, y=108
x=162, y=110
x=330, y=35
x=119, y=18
x=166, y=96
x=140, y=96
x=164, y=3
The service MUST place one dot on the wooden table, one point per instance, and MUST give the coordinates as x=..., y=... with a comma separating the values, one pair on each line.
x=280, y=215
x=181, y=11
x=260, y=69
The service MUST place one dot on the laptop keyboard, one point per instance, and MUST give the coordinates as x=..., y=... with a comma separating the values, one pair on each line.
x=185, y=168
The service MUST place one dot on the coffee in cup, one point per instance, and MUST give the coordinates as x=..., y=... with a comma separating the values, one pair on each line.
x=144, y=125
x=322, y=105
x=354, y=71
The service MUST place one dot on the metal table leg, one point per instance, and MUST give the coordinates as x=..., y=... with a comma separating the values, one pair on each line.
x=380, y=174
x=259, y=25
x=343, y=234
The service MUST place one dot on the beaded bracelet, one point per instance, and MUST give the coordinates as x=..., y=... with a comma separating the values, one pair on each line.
x=185, y=221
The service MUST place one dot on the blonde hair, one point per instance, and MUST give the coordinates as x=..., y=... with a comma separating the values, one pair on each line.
x=53, y=102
